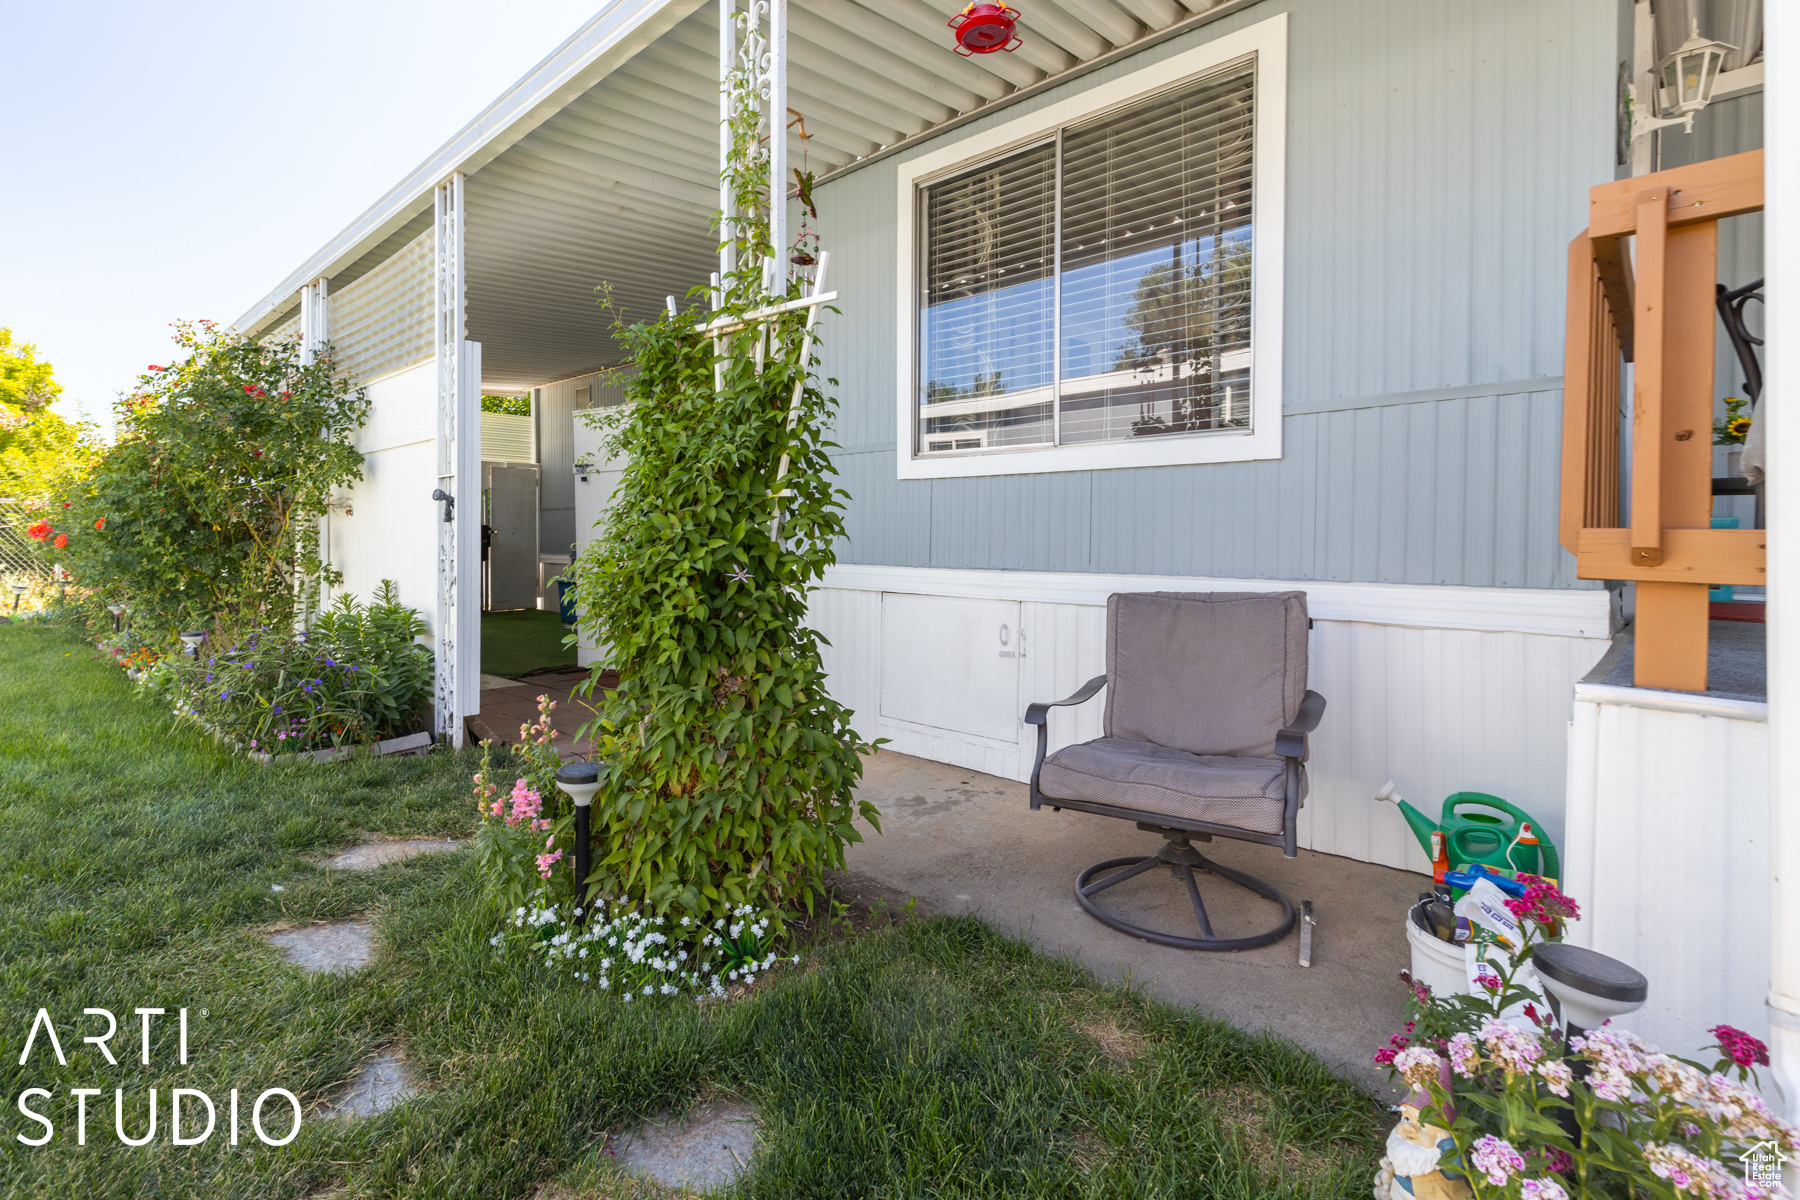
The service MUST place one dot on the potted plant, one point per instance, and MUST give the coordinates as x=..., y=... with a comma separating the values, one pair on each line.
x=1503, y=1106
x=1731, y=431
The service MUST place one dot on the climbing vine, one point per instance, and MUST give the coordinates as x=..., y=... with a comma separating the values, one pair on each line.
x=730, y=770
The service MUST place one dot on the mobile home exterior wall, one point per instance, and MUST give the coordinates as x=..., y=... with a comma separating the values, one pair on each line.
x=1437, y=162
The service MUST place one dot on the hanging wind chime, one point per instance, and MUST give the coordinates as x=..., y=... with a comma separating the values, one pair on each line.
x=806, y=246
x=983, y=28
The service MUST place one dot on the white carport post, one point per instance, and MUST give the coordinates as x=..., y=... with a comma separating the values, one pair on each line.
x=457, y=519
x=778, y=159
x=315, y=320
x=1782, y=336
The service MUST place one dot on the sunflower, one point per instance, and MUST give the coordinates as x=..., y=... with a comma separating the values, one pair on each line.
x=1739, y=426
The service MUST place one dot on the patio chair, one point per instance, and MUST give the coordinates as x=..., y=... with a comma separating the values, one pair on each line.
x=1207, y=716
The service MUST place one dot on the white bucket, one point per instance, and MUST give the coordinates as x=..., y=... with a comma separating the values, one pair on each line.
x=1436, y=964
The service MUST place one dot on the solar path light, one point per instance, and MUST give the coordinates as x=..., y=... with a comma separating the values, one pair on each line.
x=580, y=780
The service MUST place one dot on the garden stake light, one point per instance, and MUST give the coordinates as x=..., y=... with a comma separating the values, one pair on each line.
x=580, y=781
x=117, y=611
x=190, y=641
x=18, y=594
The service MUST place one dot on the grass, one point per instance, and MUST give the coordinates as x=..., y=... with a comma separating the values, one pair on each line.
x=517, y=643
x=935, y=1058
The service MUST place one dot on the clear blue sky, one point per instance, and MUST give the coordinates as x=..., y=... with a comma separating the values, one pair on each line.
x=178, y=160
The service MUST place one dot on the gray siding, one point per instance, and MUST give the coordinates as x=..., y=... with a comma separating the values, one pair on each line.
x=1432, y=189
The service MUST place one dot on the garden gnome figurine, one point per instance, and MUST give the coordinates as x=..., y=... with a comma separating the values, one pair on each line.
x=1412, y=1169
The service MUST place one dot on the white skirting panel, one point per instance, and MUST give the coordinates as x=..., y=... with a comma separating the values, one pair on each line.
x=1669, y=854
x=390, y=530
x=1439, y=689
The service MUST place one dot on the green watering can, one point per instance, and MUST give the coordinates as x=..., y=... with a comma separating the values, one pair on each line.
x=1479, y=828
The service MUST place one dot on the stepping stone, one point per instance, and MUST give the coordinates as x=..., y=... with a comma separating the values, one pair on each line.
x=340, y=947
x=370, y=855
x=377, y=1086
x=708, y=1149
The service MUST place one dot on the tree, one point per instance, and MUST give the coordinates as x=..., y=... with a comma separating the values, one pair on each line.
x=41, y=453
x=207, y=507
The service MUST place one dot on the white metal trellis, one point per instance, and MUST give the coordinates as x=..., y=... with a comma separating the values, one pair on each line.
x=448, y=261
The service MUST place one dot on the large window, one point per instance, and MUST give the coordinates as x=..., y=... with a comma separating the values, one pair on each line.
x=1095, y=287
x=1084, y=297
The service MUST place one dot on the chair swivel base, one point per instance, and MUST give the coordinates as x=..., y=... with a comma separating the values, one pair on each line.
x=1182, y=859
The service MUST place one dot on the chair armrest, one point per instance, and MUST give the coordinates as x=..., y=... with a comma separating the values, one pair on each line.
x=1036, y=714
x=1291, y=742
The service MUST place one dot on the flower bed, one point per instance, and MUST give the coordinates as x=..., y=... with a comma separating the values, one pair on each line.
x=358, y=678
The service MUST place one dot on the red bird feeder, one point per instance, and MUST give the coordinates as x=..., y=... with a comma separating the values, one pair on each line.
x=984, y=28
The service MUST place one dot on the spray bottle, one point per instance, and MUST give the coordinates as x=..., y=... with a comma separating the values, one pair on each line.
x=1522, y=855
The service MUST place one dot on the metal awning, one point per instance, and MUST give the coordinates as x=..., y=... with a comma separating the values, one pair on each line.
x=601, y=166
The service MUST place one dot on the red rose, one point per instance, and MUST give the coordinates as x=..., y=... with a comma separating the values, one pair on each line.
x=100, y=524
x=154, y=367
x=62, y=539
x=39, y=531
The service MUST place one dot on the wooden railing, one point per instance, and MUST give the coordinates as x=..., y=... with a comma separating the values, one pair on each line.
x=1663, y=323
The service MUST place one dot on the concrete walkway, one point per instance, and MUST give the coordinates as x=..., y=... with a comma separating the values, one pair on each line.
x=507, y=704
x=962, y=841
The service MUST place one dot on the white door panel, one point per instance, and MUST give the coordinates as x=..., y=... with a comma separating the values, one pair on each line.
x=951, y=664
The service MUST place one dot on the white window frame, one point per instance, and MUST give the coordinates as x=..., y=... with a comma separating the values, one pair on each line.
x=1267, y=42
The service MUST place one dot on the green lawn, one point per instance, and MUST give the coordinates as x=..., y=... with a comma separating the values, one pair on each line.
x=935, y=1059
x=516, y=643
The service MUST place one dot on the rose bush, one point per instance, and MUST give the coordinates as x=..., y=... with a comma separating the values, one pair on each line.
x=206, y=508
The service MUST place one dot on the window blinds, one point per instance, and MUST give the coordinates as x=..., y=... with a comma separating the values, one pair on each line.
x=1153, y=267
x=986, y=329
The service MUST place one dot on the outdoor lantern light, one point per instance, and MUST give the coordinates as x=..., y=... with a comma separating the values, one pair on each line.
x=1589, y=987
x=581, y=780
x=191, y=639
x=983, y=28
x=1689, y=73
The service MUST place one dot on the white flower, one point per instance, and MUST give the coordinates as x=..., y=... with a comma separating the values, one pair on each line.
x=646, y=989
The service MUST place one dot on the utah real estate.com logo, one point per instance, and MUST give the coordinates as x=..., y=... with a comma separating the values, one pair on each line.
x=192, y=1115
x=1763, y=1162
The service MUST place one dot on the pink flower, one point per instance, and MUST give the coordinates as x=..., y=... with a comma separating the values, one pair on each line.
x=1384, y=1057
x=1496, y=1158
x=546, y=861
x=1740, y=1047
x=1543, y=903
x=1418, y=1065
x=526, y=804
x=1542, y=1189
x=1510, y=1046
x=1464, y=1057
x=1557, y=1076
x=1677, y=1164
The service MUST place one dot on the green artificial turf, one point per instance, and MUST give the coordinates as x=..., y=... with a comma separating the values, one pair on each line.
x=936, y=1058
x=517, y=643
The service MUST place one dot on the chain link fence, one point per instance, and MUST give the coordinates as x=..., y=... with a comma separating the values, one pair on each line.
x=20, y=558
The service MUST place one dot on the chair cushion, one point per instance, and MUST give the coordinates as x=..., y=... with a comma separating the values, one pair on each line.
x=1206, y=672
x=1244, y=793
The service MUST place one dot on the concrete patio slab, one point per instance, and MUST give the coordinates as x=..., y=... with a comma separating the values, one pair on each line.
x=964, y=842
